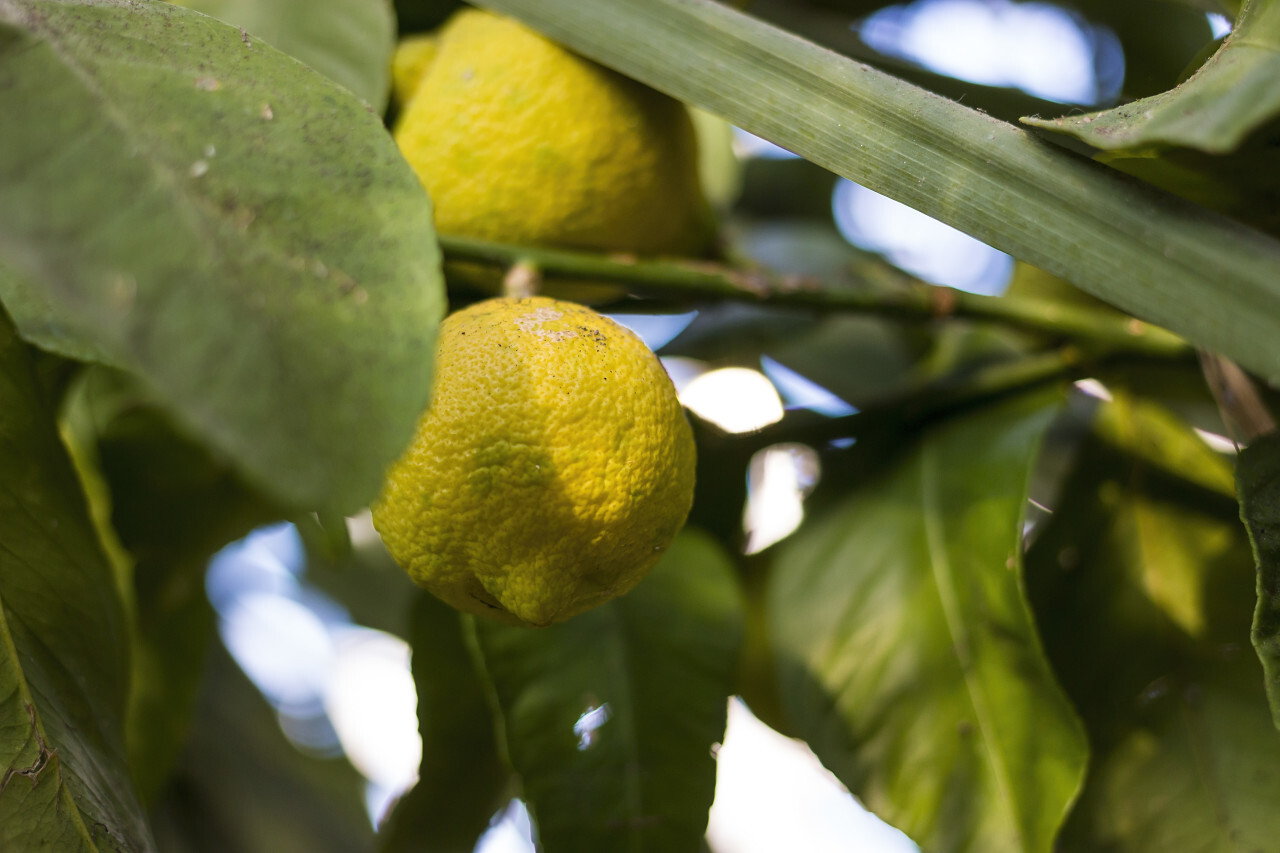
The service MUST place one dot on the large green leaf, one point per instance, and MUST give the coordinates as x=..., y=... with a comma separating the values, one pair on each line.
x=1167, y=261
x=206, y=212
x=349, y=41
x=611, y=718
x=907, y=656
x=462, y=779
x=64, y=654
x=1142, y=587
x=171, y=506
x=1258, y=483
x=1228, y=97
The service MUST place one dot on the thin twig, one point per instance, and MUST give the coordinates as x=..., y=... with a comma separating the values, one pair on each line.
x=921, y=302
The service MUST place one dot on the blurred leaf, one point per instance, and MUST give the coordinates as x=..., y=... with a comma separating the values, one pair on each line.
x=653, y=670
x=462, y=782
x=1244, y=185
x=1028, y=282
x=882, y=351
x=418, y=15
x=1159, y=39
x=243, y=787
x=907, y=656
x=1178, y=266
x=1258, y=481
x=1228, y=97
x=235, y=229
x=719, y=169
x=349, y=41
x=172, y=506
x=1141, y=587
x=64, y=655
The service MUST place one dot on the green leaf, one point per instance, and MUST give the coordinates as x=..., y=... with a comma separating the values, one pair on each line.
x=1141, y=583
x=417, y=15
x=462, y=780
x=1155, y=57
x=1258, y=483
x=349, y=41
x=172, y=506
x=64, y=654
x=906, y=652
x=654, y=670
x=1169, y=262
x=1230, y=96
x=228, y=225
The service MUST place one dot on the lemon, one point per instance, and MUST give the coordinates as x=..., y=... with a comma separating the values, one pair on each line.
x=412, y=57
x=518, y=140
x=551, y=471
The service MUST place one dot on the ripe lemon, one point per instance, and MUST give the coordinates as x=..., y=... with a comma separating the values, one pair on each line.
x=518, y=140
x=551, y=471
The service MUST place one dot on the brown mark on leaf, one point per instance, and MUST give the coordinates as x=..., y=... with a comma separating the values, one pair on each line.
x=44, y=758
x=208, y=84
x=942, y=301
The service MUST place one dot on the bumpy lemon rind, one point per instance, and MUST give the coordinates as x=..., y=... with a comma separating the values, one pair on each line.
x=552, y=470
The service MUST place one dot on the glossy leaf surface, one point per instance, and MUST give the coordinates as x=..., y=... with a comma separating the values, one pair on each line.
x=907, y=655
x=462, y=780
x=1143, y=586
x=611, y=719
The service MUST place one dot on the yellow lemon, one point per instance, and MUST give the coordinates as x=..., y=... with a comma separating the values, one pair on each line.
x=551, y=471
x=413, y=56
x=518, y=140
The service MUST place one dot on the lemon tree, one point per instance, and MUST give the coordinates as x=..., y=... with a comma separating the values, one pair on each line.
x=1006, y=565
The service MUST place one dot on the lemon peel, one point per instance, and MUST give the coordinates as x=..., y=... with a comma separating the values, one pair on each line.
x=552, y=469
x=518, y=140
x=412, y=57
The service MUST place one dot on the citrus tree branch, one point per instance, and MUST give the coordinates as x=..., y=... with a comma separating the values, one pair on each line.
x=909, y=300
x=916, y=406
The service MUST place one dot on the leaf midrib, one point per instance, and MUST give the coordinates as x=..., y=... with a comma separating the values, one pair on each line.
x=634, y=788
x=944, y=581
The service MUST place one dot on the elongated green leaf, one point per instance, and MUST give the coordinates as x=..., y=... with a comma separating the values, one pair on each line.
x=462, y=778
x=1228, y=97
x=349, y=41
x=907, y=656
x=610, y=719
x=238, y=231
x=1258, y=483
x=64, y=656
x=1141, y=583
x=1164, y=260
x=173, y=507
